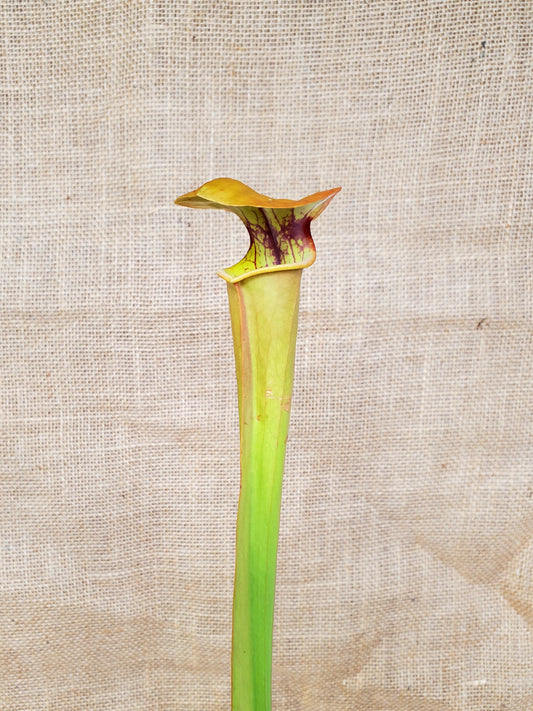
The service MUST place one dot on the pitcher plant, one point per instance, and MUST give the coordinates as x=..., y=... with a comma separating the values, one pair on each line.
x=264, y=291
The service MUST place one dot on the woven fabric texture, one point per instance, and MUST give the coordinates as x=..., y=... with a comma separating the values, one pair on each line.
x=405, y=574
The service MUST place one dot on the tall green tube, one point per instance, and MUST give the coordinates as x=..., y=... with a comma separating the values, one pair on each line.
x=264, y=317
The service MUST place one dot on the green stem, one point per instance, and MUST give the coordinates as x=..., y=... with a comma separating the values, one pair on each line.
x=264, y=317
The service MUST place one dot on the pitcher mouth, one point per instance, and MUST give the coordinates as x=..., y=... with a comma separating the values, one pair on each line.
x=279, y=229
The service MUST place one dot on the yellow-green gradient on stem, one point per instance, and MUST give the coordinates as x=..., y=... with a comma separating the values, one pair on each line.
x=264, y=292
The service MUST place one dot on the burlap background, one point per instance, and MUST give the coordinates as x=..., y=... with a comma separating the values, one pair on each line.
x=406, y=556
